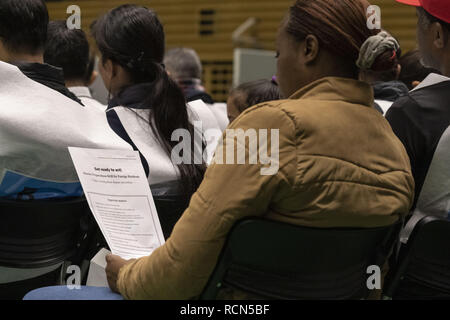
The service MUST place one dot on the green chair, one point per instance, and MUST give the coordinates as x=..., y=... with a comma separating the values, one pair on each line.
x=274, y=260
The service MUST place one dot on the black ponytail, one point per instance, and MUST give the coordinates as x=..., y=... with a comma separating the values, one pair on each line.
x=169, y=114
x=133, y=37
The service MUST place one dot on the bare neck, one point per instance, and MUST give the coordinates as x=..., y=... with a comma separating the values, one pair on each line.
x=75, y=83
x=37, y=58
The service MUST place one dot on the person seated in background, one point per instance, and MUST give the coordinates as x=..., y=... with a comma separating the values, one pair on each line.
x=37, y=124
x=69, y=49
x=250, y=94
x=386, y=85
x=339, y=163
x=23, y=34
x=184, y=66
x=147, y=106
x=413, y=71
x=420, y=118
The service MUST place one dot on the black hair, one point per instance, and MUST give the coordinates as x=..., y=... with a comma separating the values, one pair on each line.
x=90, y=69
x=413, y=69
x=23, y=25
x=68, y=49
x=133, y=37
x=255, y=92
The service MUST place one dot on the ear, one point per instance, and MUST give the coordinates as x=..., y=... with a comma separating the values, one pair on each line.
x=311, y=49
x=108, y=68
x=439, y=35
x=115, y=69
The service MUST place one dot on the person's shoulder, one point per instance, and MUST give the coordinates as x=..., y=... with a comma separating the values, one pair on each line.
x=92, y=103
x=434, y=96
x=271, y=114
x=407, y=104
x=270, y=107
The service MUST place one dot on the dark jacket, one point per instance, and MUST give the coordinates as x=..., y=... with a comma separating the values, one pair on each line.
x=419, y=119
x=48, y=75
x=194, y=91
x=390, y=91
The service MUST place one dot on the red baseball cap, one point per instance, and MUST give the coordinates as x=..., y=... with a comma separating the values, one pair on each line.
x=437, y=8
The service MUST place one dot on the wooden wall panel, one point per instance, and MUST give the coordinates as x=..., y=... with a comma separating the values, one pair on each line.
x=211, y=38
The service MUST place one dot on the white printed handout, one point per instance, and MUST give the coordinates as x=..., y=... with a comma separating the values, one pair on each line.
x=117, y=190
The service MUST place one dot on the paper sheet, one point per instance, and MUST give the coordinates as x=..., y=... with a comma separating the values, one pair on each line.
x=97, y=274
x=119, y=196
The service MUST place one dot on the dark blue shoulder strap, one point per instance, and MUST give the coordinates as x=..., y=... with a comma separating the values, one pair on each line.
x=116, y=125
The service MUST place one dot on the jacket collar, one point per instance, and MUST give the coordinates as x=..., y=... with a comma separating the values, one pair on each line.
x=341, y=89
x=390, y=91
x=47, y=75
x=131, y=96
x=42, y=72
x=193, y=90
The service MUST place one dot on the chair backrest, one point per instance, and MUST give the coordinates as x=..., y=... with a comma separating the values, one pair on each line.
x=36, y=234
x=281, y=261
x=170, y=203
x=423, y=268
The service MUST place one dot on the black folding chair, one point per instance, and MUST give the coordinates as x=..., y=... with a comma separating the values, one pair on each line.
x=37, y=234
x=170, y=202
x=423, y=268
x=275, y=260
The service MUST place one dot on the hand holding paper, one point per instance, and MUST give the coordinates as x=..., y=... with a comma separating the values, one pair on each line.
x=114, y=263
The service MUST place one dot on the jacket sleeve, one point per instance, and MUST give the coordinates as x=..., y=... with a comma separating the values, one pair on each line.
x=180, y=268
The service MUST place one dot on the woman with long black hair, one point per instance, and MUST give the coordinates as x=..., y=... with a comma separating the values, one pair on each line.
x=147, y=107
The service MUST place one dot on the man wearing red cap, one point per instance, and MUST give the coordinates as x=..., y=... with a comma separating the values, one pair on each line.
x=420, y=118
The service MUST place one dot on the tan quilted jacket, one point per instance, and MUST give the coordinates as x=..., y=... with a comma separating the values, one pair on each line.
x=340, y=165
